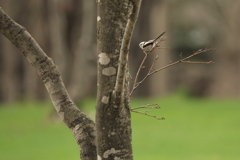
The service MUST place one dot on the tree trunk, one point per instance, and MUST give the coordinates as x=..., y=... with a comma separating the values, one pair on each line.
x=115, y=23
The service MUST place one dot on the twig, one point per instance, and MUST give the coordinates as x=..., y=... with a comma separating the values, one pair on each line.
x=155, y=106
x=182, y=60
x=148, y=106
x=136, y=84
x=137, y=74
x=149, y=115
x=198, y=62
x=155, y=59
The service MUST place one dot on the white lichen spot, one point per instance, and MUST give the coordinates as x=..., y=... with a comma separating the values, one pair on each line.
x=98, y=17
x=99, y=158
x=77, y=128
x=48, y=85
x=109, y=71
x=31, y=58
x=113, y=133
x=108, y=152
x=103, y=59
x=105, y=99
x=116, y=158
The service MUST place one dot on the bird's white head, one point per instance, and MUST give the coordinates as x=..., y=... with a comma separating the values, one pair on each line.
x=141, y=45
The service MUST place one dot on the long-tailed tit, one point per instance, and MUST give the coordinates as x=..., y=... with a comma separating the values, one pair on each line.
x=149, y=45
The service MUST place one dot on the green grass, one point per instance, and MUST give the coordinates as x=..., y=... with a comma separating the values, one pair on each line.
x=26, y=133
x=194, y=129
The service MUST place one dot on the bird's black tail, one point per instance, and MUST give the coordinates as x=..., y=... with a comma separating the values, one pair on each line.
x=159, y=36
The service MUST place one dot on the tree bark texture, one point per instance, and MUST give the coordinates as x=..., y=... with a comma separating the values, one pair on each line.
x=82, y=126
x=115, y=24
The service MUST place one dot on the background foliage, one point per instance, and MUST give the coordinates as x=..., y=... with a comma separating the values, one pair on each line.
x=66, y=30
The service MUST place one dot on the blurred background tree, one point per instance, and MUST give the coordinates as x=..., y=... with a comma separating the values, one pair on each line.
x=66, y=30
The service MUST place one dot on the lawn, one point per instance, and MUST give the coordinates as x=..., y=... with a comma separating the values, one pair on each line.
x=194, y=129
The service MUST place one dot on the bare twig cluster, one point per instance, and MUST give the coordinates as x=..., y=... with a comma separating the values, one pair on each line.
x=147, y=108
x=151, y=71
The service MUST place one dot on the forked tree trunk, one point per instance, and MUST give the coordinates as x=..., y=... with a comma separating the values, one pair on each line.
x=115, y=22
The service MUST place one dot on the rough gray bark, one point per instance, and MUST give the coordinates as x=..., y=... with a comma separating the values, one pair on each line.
x=82, y=126
x=115, y=23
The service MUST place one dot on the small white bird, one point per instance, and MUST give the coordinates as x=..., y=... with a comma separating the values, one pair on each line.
x=149, y=45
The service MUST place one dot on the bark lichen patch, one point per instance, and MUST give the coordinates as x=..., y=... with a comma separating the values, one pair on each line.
x=113, y=133
x=117, y=158
x=99, y=158
x=77, y=128
x=31, y=58
x=103, y=59
x=105, y=99
x=109, y=152
x=109, y=71
x=98, y=17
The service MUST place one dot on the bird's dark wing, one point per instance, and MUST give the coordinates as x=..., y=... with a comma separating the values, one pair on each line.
x=149, y=43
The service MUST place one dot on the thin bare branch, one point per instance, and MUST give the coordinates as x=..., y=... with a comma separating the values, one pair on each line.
x=147, y=107
x=197, y=62
x=137, y=74
x=149, y=115
x=182, y=60
x=155, y=59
